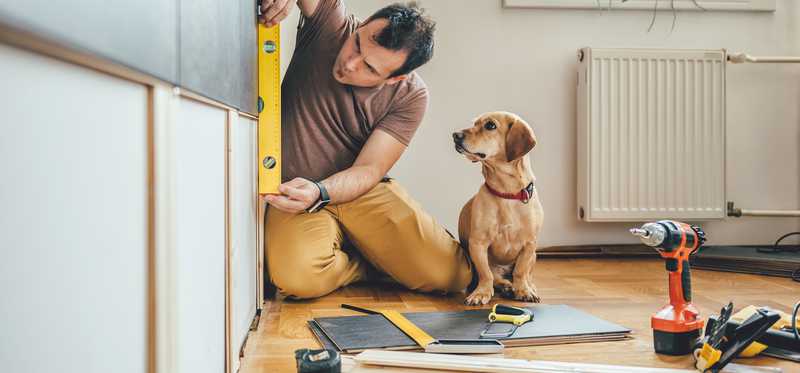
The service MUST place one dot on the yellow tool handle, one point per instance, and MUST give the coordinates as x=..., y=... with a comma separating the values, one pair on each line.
x=269, y=109
x=513, y=319
x=706, y=357
x=510, y=314
x=422, y=338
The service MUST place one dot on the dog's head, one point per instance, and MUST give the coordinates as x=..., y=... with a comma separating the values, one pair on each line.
x=495, y=136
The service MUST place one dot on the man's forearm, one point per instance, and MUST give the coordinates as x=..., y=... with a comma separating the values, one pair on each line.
x=347, y=185
x=376, y=158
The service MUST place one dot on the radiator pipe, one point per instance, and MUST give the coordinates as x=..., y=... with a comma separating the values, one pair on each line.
x=738, y=212
x=743, y=57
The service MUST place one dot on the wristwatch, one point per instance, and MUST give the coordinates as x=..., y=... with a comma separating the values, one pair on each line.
x=323, y=199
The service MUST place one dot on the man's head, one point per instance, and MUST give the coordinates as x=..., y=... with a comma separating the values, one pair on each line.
x=386, y=47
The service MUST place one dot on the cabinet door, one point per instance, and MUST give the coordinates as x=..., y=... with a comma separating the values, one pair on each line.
x=142, y=34
x=73, y=227
x=244, y=218
x=200, y=237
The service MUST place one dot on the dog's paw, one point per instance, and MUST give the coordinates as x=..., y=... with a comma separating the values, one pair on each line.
x=479, y=296
x=526, y=293
x=504, y=287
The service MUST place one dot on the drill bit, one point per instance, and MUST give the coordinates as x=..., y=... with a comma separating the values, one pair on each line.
x=640, y=232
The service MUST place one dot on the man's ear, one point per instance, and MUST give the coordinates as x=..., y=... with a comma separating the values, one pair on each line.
x=396, y=79
x=519, y=140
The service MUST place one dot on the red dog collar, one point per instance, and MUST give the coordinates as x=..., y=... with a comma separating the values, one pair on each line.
x=523, y=195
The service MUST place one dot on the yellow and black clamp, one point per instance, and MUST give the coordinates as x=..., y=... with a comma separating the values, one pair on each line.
x=706, y=357
x=724, y=340
x=517, y=316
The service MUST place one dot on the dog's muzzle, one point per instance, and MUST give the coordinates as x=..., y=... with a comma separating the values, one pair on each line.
x=458, y=139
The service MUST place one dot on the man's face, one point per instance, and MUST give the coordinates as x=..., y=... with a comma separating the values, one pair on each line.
x=362, y=62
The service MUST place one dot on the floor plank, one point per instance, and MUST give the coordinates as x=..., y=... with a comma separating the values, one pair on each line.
x=624, y=291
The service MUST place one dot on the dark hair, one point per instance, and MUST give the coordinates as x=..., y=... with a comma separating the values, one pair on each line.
x=408, y=29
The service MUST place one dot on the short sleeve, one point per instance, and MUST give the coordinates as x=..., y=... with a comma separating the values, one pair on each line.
x=403, y=120
x=328, y=21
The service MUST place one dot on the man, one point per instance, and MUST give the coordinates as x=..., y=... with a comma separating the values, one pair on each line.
x=351, y=103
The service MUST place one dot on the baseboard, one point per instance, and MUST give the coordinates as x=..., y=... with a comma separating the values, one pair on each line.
x=580, y=251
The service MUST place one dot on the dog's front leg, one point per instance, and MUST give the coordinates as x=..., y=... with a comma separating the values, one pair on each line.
x=479, y=251
x=522, y=284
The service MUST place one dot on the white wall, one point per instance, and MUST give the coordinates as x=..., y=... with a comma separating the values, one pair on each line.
x=524, y=60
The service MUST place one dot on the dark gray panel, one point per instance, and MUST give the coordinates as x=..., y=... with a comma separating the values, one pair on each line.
x=355, y=333
x=248, y=92
x=214, y=58
x=141, y=34
x=209, y=48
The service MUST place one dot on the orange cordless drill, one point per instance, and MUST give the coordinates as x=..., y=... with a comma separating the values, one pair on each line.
x=676, y=327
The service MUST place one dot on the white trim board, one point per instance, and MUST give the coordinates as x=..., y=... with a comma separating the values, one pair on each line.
x=725, y=5
x=419, y=361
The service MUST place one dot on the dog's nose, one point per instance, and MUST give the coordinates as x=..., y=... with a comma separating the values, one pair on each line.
x=458, y=136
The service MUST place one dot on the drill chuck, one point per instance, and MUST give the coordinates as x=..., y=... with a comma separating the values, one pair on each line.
x=668, y=235
x=651, y=234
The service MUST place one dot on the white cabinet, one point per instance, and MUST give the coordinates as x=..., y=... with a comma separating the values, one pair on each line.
x=129, y=224
x=73, y=226
x=243, y=217
x=200, y=236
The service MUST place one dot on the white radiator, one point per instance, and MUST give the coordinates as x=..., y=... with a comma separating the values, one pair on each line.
x=651, y=134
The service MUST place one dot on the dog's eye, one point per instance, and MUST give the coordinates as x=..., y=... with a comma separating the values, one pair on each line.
x=490, y=126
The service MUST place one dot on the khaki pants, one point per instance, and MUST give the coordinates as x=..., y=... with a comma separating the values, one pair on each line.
x=310, y=255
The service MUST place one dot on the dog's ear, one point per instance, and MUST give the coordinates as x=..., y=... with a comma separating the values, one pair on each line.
x=519, y=140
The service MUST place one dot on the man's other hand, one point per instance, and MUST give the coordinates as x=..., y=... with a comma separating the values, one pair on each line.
x=296, y=196
x=274, y=11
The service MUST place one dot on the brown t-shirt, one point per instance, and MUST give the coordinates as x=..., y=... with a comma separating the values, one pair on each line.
x=325, y=123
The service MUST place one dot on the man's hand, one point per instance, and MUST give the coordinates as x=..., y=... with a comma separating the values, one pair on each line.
x=274, y=11
x=296, y=196
x=376, y=158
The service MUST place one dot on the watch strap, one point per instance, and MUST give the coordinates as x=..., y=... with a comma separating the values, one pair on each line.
x=322, y=201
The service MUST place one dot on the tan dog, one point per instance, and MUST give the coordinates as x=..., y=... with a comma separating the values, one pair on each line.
x=501, y=223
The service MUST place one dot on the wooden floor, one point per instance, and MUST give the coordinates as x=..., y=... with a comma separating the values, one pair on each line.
x=624, y=291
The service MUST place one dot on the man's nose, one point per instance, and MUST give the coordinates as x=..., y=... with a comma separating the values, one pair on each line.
x=351, y=64
x=458, y=137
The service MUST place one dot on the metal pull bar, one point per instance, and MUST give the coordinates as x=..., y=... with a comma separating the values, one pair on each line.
x=746, y=58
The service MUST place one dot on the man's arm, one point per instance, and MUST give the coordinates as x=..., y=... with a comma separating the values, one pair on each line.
x=274, y=11
x=377, y=156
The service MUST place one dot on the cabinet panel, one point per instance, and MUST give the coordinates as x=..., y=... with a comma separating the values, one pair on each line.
x=141, y=34
x=244, y=220
x=218, y=51
x=73, y=231
x=200, y=237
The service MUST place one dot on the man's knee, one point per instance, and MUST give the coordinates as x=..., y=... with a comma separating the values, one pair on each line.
x=295, y=246
x=304, y=269
x=292, y=271
x=300, y=281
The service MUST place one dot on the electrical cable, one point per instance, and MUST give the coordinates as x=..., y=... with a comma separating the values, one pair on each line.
x=794, y=321
x=777, y=249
